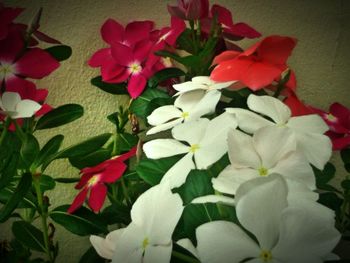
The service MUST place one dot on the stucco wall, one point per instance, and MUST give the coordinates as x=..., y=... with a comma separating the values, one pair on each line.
x=321, y=61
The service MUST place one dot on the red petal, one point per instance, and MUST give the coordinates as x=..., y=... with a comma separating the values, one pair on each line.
x=296, y=106
x=142, y=50
x=177, y=11
x=341, y=143
x=43, y=37
x=224, y=56
x=230, y=70
x=137, y=31
x=100, y=57
x=11, y=46
x=16, y=83
x=122, y=54
x=197, y=9
x=243, y=30
x=136, y=85
x=114, y=171
x=224, y=15
x=112, y=32
x=84, y=178
x=45, y=108
x=36, y=63
x=127, y=155
x=78, y=201
x=97, y=197
x=341, y=112
x=111, y=70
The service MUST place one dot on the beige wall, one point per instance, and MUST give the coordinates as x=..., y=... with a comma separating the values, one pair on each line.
x=321, y=61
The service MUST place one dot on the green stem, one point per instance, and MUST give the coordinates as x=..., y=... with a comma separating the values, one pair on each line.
x=5, y=130
x=184, y=257
x=193, y=34
x=43, y=216
x=19, y=131
x=125, y=191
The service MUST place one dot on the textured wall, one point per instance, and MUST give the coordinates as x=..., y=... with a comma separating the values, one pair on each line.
x=321, y=61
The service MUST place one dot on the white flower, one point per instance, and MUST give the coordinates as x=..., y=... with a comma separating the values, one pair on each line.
x=12, y=105
x=302, y=231
x=187, y=107
x=308, y=129
x=206, y=142
x=201, y=83
x=148, y=238
x=270, y=150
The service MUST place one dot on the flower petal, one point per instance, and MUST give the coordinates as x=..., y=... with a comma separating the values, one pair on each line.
x=191, y=132
x=78, y=200
x=97, y=196
x=137, y=30
x=270, y=107
x=26, y=109
x=165, y=126
x=122, y=54
x=308, y=123
x=105, y=246
x=163, y=114
x=206, y=105
x=161, y=254
x=214, y=199
x=187, y=244
x=189, y=100
x=231, y=243
x=9, y=101
x=136, y=85
x=112, y=32
x=161, y=148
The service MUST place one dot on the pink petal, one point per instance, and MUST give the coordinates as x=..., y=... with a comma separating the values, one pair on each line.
x=84, y=178
x=122, y=54
x=142, y=50
x=341, y=143
x=100, y=57
x=113, y=172
x=341, y=112
x=177, y=11
x=136, y=85
x=11, y=46
x=45, y=108
x=197, y=9
x=36, y=63
x=17, y=83
x=224, y=15
x=97, y=196
x=243, y=30
x=123, y=157
x=112, y=32
x=111, y=70
x=137, y=31
x=78, y=201
x=177, y=27
x=296, y=106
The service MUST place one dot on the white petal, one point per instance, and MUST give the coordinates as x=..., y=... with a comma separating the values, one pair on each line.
x=259, y=210
x=297, y=191
x=214, y=199
x=186, y=102
x=224, y=242
x=149, y=212
x=188, y=86
x=317, y=148
x=248, y=121
x=241, y=150
x=165, y=126
x=10, y=101
x=231, y=178
x=307, y=228
x=163, y=114
x=222, y=85
x=158, y=254
x=160, y=148
x=206, y=105
x=105, y=246
x=270, y=107
x=273, y=144
x=308, y=123
x=191, y=132
x=205, y=80
x=187, y=244
x=177, y=174
x=27, y=108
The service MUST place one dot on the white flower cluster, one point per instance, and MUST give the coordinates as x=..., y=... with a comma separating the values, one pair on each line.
x=270, y=177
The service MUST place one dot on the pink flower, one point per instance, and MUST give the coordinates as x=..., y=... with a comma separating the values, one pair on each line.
x=230, y=30
x=7, y=15
x=34, y=63
x=190, y=9
x=258, y=66
x=169, y=35
x=93, y=181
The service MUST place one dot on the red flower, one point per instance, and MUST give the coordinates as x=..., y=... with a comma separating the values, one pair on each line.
x=34, y=63
x=7, y=15
x=256, y=67
x=168, y=35
x=94, y=178
x=230, y=30
x=190, y=9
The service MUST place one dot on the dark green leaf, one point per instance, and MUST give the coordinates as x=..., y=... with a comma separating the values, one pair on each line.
x=119, y=88
x=83, y=222
x=164, y=75
x=185, y=41
x=30, y=149
x=91, y=256
x=117, y=213
x=28, y=235
x=126, y=141
x=60, y=116
x=331, y=200
x=139, y=105
x=155, y=103
x=9, y=170
x=67, y=180
x=90, y=159
x=152, y=171
x=324, y=176
x=22, y=188
x=60, y=52
x=346, y=184
x=28, y=201
x=46, y=183
x=50, y=148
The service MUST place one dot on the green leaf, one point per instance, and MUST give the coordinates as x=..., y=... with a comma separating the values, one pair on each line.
x=152, y=171
x=346, y=184
x=60, y=116
x=65, y=180
x=9, y=170
x=91, y=159
x=324, y=176
x=21, y=189
x=331, y=200
x=91, y=256
x=28, y=235
x=28, y=201
x=164, y=75
x=185, y=41
x=139, y=105
x=117, y=213
x=156, y=103
x=30, y=149
x=119, y=88
x=46, y=183
x=125, y=141
x=60, y=52
x=50, y=148
x=83, y=222
x=345, y=156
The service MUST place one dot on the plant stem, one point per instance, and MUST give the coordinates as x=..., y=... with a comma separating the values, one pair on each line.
x=19, y=131
x=4, y=132
x=43, y=216
x=125, y=191
x=184, y=257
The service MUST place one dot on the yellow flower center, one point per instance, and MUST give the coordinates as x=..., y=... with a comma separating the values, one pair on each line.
x=92, y=181
x=263, y=171
x=6, y=70
x=194, y=148
x=185, y=115
x=145, y=243
x=135, y=68
x=265, y=256
x=331, y=117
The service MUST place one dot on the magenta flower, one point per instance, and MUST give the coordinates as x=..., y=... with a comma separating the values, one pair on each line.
x=34, y=63
x=169, y=35
x=190, y=9
x=93, y=181
x=7, y=15
x=230, y=30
